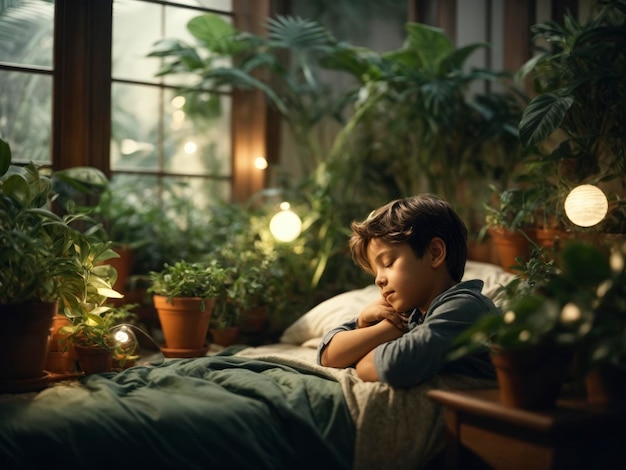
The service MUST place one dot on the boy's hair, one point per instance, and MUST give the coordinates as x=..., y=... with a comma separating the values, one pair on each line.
x=414, y=220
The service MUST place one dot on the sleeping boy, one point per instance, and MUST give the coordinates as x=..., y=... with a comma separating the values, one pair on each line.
x=416, y=249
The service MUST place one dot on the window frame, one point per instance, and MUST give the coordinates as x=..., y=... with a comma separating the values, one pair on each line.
x=82, y=80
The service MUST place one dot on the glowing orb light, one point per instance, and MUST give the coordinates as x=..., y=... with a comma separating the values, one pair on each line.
x=586, y=205
x=285, y=226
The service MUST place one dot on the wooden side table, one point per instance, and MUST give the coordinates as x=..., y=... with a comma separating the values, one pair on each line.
x=482, y=433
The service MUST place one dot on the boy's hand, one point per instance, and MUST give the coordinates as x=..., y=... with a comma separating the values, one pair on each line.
x=380, y=310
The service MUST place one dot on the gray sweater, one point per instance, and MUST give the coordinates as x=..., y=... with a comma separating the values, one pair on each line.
x=421, y=352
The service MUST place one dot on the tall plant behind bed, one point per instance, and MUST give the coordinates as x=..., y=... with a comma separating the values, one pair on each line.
x=407, y=114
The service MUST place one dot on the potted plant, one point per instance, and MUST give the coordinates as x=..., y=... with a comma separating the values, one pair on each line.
x=41, y=266
x=184, y=296
x=224, y=325
x=597, y=280
x=557, y=321
x=507, y=222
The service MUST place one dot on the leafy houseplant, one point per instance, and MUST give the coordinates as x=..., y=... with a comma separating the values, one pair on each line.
x=578, y=113
x=507, y=222
x=572, y=311
x=414, y=97
x=184, y=296
x=43, y=257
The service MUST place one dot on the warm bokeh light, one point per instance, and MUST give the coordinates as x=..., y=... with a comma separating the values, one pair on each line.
x=260, y=163
x=178, y=101
x=586, y=205
x=178, y=116
x=190, y=147
x=285, y=226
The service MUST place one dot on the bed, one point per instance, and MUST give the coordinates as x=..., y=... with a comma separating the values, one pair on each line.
x=259, y=407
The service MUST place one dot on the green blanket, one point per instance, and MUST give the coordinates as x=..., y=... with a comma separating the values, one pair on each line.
x=209, y=412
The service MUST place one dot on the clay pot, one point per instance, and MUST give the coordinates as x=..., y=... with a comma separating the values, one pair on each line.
x=24, y=335
x=509, y=245
x=184, y=321
x=531, y=378
x=61, y=362
x=94, y=360
x=225, y=336
x=605, y=385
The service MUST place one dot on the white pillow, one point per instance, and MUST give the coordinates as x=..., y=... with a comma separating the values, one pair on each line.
x=341, y=308
x=329, y=314
x=492, y=275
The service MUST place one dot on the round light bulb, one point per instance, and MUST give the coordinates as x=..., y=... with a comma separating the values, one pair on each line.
x=125, y=338
x=285, y=226
x=586, y=205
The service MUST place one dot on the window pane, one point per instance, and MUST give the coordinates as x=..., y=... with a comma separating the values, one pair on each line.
x=200, y=192
x=182, y=197
x=197, y=134
x=131, y=45
x=26, y=32
x=196, y=130
x=134, y=127
x=225, y=5
x=25, y=115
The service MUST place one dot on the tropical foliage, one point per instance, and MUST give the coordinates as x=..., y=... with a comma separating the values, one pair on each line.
x=407, y=122
x=43, y=256
x=578, y=303
x=578, y=112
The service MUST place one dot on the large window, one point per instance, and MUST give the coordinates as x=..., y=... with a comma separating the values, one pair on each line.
x=155, y=142
x=26, y=40
x=77, y=88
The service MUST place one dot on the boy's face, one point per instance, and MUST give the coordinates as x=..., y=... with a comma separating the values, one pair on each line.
x=405, y=281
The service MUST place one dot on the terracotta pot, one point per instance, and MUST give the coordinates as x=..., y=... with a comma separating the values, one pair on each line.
x=184, y=321
x=61, y=361
x=94, y=360
x=551, y=239
x=253, y=320
x=24, y=336
x=509, y=245
x=531, y=378
x=605, y=385
x=225, y=336
x=482, y=251
x=58, y=322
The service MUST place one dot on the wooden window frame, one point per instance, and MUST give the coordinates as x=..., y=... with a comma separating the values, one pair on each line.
x=81, y=129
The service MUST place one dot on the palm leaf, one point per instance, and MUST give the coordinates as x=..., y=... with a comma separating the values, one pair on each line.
x=240, y=79
x=298, y=34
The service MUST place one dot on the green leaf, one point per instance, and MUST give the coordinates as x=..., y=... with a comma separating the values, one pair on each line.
x=585, y=264
x=110, y=293
x=214, y=32
x=430, y=44
x=241, y=79
x=297, y=34
x=17, y=186
x=456, y=59
x=543, y=115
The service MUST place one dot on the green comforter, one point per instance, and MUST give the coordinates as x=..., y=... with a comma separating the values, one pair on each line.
x=209, y=412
